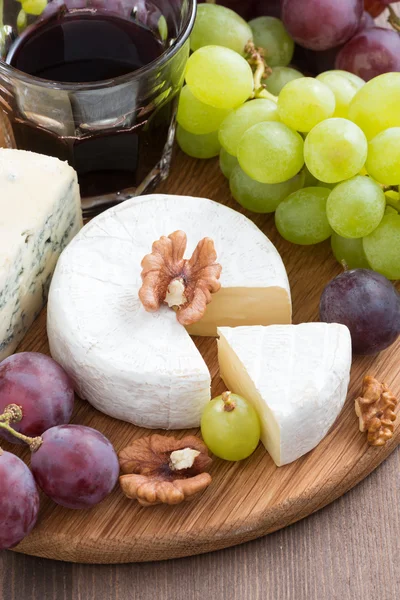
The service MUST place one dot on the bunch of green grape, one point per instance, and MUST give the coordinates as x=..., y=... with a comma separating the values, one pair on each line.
x=322, y=153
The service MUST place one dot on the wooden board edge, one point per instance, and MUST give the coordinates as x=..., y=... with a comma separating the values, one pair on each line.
x=213, y=540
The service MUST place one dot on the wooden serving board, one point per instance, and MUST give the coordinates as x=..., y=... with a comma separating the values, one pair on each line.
x=247, y=499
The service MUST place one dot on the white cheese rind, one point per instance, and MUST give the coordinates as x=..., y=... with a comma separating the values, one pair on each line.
x=133, y=365
x=40, y=212
x=295, y=375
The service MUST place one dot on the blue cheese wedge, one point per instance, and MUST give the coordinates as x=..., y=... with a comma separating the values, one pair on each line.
x=40, y=212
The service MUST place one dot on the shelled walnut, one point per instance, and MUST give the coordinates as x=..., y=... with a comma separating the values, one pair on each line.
x=185, y=284
x=163, y=470
x=375, y=409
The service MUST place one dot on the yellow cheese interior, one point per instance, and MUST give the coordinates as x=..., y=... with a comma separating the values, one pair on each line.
x=238, y=381
x=232, y=307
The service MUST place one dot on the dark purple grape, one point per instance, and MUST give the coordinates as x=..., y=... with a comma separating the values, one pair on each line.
x=312, y=62
x=368, y=304
x=76, y=466
x=370, y=53
x=43, y=390
x=321, y=24
x=19, y=500
x=244, y=8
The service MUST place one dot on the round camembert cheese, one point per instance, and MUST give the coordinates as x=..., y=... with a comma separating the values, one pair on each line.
x=143, y=367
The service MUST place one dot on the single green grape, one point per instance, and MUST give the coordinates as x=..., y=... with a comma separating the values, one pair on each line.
x=197, y=117
x=335, y=149
x=240, y=120
x=344, y=85
x=219, y=26
x=34, y=7
x=349, y=251
x=279, y=77
x=219, y=77
x=227, y=162
x=301, y=218
x=356, y=207
x=375, y=107
x=198, y=146
x=305, y=102
x=270, y=34
x=271, y=152
x=22, y=21
x=383, y=161
x=230, y=427
x=382, y=247
x=262, y=197
x=326, y=185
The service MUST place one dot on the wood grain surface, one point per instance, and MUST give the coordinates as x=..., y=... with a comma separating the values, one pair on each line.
x=246, y=499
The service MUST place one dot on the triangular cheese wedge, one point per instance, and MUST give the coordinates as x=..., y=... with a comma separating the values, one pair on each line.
x=296, y=377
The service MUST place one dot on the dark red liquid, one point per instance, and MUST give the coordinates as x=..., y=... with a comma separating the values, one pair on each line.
x=87, y=47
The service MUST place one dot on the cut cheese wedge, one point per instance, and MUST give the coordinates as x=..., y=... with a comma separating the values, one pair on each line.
x=296, y=377
x=40, y=212
x=143, y=367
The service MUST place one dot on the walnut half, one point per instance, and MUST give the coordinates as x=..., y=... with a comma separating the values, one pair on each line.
x=185, y=284
x=163, y=470
x=375, y=410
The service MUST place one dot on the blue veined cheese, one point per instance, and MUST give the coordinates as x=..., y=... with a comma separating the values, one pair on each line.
x=40, y=212
x=139, y=366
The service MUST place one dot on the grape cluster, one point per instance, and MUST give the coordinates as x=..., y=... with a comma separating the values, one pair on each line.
x=333, y=34
x=322, y=153
x=75, y=466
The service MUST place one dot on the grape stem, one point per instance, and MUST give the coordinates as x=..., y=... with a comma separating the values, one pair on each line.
x=256, y=59
x=13, y=414
x=393, y=19
x=229, y=404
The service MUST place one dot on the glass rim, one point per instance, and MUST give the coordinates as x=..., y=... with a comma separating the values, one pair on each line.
x=182, y=37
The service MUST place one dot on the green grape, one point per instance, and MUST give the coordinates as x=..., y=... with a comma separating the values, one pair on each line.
x=335, y=149
x=219, y=77
x=344, y=85
x=197, y=117
x=270, y=34
x=227, y=162
x=393, y=199
x=219, y=26
x=34, y=7
x=383, y=162
x=198, y=146
x=270, y=152
x=382, y=247
x=262, y=197
x=22, y=21
x=305, y=102
x=349, y=251
x=375, y=107
x=301, y=217
x=325, y=185
x=356, y=207
x=244, y=117
x=279, y=77
x=230, y=427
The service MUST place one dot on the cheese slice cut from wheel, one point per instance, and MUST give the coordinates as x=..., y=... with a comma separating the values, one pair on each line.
x=144, y=367
x=296, y=377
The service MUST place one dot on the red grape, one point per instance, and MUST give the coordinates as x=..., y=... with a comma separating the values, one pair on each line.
x=370, y=53
x=241, y=7
x=368, y=304
x=366, y=22
x=43, y=390
x=19, y=500
x=75, y=466
x=321, y=24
